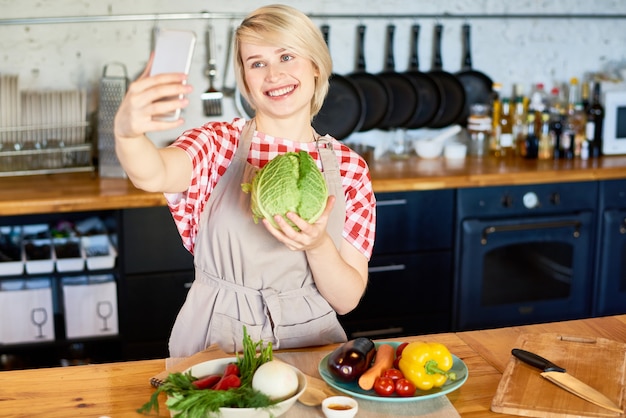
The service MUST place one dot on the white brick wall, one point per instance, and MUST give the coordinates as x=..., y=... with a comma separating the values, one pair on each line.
x=509, y=50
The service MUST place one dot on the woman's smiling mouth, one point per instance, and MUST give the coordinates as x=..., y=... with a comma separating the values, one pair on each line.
x=281, y=91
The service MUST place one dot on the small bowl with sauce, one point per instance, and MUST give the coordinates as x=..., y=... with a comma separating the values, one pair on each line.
x=339, y=407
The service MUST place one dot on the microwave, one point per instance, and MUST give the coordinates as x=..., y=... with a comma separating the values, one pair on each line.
x=614, y=127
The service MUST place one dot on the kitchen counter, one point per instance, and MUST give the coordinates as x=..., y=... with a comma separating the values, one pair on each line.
x=86, y=191
x=118, y=389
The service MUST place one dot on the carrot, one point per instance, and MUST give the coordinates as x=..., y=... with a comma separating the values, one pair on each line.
x=385, y=354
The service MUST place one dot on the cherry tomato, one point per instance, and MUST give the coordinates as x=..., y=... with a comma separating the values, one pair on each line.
x=400, y=348
x=394, y=374
x=404, y=387
x=384, y=386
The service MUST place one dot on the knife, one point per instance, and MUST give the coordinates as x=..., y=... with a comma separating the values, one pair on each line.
x=561, y=378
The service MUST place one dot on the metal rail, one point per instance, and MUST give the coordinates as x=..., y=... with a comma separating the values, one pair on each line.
x=230, y=16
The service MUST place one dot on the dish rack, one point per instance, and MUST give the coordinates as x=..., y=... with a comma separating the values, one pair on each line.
x=45, y=149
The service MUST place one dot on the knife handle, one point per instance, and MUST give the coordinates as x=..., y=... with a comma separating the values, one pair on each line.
x=537, y=361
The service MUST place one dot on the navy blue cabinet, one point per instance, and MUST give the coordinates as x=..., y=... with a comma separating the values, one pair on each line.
x=410, y=273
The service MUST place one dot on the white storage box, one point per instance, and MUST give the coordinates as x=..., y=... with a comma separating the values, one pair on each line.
x=11, y=263
x=26, y=311
x=68, y=254
x=37, y=249
x=90, y=305
x=99, y=252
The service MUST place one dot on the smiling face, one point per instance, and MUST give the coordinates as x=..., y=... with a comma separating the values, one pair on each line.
x=280, y=83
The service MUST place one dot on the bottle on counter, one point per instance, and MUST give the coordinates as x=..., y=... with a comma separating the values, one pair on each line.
x=595, y=122
x=578, y=120
x=479, y=129
x=519, y=126
x=532, y=139
x=506, y=148
x=538, y=99
x=546, y=146
x=494, y=142
x=557, y=127
x=584, y=95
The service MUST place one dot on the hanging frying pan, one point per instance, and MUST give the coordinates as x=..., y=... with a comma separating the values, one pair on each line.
x=453, y=98
x=343, y=111
x=377, y=93
x=403, y=91
x=478, y=86
x=428, y=91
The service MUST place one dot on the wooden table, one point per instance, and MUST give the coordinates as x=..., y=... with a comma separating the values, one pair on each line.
x=118, y=389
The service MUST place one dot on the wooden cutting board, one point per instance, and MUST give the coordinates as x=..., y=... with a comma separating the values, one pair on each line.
x=599, y=362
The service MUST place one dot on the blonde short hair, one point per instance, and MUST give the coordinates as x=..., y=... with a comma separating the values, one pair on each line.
x=287, y=28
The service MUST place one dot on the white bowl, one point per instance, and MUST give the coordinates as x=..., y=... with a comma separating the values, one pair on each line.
x=426, y=148
x=217, y=366
x=455, y=150
x=339, y=407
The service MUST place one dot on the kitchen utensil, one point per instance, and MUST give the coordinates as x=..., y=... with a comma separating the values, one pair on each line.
x=453, y=98
x=212, y=98
x=316, y=391
x=404, y=95
x=561, y=378
x=340, y=407
x=432, y=147
x=477, y=85
x=343, y=110
x=600, y=362
x=112, y=92
x=377, y=93
x=428, y=91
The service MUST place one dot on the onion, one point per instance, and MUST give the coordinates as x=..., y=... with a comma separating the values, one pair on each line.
x=275, y=379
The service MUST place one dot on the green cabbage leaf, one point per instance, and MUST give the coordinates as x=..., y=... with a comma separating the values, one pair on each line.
x=290, y=182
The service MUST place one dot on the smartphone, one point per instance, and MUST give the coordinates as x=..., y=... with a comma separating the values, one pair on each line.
x=173, y=51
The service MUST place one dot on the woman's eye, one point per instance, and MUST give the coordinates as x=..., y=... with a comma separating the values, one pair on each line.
x=257, y=64
x=286, y=57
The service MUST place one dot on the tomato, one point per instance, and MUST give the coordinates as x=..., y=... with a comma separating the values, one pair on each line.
x=404, y=387
x=384, y=386
x=400, y=348
x=394, y=374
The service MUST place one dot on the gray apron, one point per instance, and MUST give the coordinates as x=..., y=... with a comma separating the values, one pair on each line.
x=245, y=277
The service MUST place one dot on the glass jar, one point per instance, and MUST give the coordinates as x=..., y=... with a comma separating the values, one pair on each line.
x=479, y=130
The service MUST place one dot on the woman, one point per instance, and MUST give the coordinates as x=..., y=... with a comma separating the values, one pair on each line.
x=285, y=286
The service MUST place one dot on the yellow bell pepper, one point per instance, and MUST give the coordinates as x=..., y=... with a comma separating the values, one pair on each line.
x=426, y=365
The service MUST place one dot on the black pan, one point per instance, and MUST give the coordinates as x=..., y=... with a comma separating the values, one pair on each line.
x=453, y=98
x=478, y=86
x=404, y=94
x=343, y=111
x=377, y=93
x=428, y=91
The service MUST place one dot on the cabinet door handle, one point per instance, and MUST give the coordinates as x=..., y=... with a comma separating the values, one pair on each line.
x=524, y=227
x=391, y=202
x=392, y=267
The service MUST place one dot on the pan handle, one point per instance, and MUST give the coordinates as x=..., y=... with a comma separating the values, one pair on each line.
x=360, y=59
x=437, y=61
x=390, y=64
x=414, y=61
x=467, y=60
x=325, y=29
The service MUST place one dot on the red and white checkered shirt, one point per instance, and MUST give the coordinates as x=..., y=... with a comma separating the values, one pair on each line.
x=211, y=149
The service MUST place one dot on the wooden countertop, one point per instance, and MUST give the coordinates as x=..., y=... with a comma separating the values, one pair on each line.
x=86, y=191
x=118, y=389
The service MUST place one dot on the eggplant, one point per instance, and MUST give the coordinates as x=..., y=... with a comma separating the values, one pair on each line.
x=351, y=359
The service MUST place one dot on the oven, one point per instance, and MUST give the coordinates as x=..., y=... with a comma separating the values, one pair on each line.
x=524, y=254
x=611, y=267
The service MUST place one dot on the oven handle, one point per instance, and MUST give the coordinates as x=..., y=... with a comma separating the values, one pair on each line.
x=544, y=225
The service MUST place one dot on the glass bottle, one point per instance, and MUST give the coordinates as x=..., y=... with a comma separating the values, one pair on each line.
x=494, y=142
x=532, y=140
x=546, y=146
x=579, y=122
x=479, y=128
x=595, y=122
x=506, y=129
x=519, y=126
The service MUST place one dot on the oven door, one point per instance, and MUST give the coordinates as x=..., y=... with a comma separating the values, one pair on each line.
x=611, y=291
x=523, y=270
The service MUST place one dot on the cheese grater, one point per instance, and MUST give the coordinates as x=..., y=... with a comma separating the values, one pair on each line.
x=112, y=91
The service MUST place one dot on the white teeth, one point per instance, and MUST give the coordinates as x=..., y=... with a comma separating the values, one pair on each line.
x=280, y=92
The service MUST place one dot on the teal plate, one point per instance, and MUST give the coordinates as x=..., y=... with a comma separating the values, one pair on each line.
x=353, y=389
